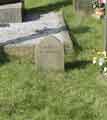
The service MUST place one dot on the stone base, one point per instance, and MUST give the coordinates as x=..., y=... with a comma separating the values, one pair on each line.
x=21, y=52
x=11, y=13
x=47, y=53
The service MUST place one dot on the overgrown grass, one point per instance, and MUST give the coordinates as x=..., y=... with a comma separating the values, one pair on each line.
x=32, y=4
x=78, y=94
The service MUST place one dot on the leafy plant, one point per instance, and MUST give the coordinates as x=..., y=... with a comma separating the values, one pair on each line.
x=95, y=4
x=101, y=61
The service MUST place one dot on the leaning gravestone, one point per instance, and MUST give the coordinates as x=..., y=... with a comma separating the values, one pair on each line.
x=49, y=55
x=10, y=11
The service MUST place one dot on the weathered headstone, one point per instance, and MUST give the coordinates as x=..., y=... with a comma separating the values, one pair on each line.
x=49, y=55
x=10, y=11
x=84, y=6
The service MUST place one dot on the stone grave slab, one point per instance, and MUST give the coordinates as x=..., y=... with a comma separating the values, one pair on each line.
x=19, y=39
x=49, y=54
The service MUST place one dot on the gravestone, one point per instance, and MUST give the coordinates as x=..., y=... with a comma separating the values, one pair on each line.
x=10, y=11
x=84, y=6
x=49, y=54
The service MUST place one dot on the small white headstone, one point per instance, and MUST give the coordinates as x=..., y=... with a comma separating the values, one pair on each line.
x=49, y=55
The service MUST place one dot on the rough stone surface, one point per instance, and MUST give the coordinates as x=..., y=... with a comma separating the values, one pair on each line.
x=11, y=13
x=49, y=54
x=48, y=24
x=28, y=34
x=26, y=52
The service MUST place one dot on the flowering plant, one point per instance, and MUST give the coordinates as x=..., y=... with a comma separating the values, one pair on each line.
x=101, y=61
x=95, y=4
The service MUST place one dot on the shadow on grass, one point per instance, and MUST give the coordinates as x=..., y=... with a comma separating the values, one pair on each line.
x=87, y=111
x=76, y=65
x=76, y=45
x=49, y=7
x=81, y=29
x=3, y=56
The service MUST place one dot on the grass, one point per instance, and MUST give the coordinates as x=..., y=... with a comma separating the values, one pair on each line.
x=78, y=94
x=32, y=4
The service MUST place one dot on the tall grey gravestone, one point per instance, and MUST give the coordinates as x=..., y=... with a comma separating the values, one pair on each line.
x=10, y=11
x=49, y=54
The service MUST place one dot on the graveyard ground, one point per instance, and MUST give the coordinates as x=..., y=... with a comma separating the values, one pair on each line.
x=78, y=94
